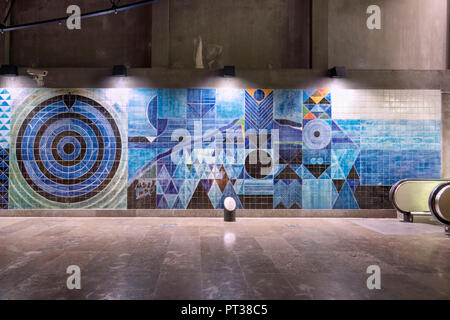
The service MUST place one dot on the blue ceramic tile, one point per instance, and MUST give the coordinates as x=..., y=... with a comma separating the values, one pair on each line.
x=288, y=105
x=172, y=103
x=230, y=103
x=317, y=194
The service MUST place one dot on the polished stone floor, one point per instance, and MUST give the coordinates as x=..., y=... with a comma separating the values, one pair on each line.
x=206, y=258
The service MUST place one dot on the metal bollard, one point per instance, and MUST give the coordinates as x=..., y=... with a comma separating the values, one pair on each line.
x=229, y=210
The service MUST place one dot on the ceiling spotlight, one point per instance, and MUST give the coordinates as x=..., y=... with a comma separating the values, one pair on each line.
x=229, y=72
x=9, y=70
x=119, y=71
x=338, y=72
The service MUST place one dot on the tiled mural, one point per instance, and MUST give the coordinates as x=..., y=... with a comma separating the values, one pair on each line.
x=68, y=149
x=192, y=148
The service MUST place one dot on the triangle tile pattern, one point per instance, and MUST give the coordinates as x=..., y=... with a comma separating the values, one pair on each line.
x=345, y=191
x=201, y=103
x=342, y=162
x=353, y=174
x=198, y=186
x=338, y=184
x=5, y=126
x=200, y=199
x=320, y=188
x=316, y=105
x=5, y=118
x=4, y=178
x=288, y=174
x=345, y=176
x=346, y=198
x=316, y=169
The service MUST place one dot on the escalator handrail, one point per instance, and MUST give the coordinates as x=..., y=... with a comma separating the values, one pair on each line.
x=398, y=184
x=392, y=196
x=432, y=202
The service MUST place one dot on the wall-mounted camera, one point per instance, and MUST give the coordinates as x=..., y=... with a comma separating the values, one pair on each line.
x=38, y=75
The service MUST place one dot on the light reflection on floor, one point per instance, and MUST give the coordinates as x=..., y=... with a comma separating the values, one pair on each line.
x=206, y=258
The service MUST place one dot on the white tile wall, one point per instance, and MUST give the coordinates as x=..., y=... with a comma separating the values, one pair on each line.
x=387, y=104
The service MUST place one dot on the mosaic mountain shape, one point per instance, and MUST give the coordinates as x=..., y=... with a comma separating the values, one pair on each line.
x=295, y=206
x=223, y=181
x=200, y=199
x=310, y=101
x=324, y=101
x=338, y=184
x=287, y=174
x=280, y=206
x=298, y=159
x=316, y=170
x=353, y=175
x=207, y=184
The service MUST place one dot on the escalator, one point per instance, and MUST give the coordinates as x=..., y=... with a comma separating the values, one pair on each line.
x=413, y=197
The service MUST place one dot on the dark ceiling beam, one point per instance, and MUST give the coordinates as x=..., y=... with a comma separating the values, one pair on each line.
x=245, y=78
x=114, y=9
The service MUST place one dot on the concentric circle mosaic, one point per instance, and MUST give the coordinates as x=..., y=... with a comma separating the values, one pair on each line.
x=317, y=134
x=68, y=148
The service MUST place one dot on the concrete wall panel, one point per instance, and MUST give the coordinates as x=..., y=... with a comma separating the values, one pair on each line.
x=254, y=33
x=413, y=35
x=104, y=41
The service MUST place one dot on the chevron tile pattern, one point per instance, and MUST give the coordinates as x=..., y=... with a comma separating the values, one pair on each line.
x=258, y=109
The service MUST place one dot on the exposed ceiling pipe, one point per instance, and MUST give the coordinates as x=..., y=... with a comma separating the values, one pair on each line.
x=7, y=42
x=8, y=13
x=114, y=9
